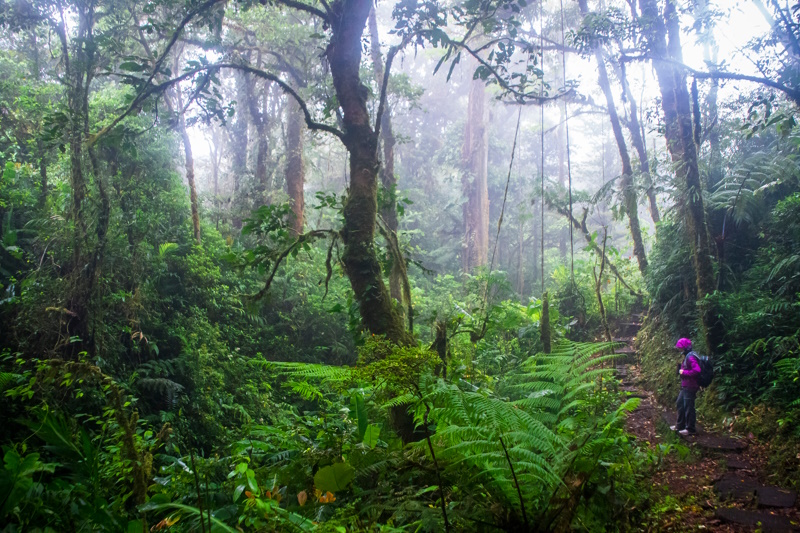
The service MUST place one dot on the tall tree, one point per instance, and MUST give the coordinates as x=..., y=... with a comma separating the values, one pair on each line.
x=188, y=162
x=663, y=37
x=388, y=208
x=475, y=162
x=626, y=179
x=295, y=167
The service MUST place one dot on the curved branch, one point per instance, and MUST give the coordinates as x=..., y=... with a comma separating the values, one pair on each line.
x=161, y=87
x=537, y=97
x=300, y=240
x=385, y=84
x=301, y=6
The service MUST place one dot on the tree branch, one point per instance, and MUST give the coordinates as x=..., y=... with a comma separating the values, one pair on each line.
x=300, y=6
x=161, y=87
x=793, y=94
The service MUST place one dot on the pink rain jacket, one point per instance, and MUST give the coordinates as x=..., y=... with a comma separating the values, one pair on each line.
x=691, y=372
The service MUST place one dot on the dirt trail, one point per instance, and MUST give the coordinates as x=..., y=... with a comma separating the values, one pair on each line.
x=721, y=486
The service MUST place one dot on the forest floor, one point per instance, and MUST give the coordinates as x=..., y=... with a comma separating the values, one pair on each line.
x=712, y=481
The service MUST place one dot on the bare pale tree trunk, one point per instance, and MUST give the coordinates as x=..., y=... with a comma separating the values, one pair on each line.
x=239, y=144
x=520, y=258
x=626, y=180
x=295, y=168
x=388, y=210
x=562, y=173
x=676, y=104
x=475, y=159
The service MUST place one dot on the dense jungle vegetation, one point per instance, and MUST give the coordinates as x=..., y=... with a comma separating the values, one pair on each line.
x=333, y=265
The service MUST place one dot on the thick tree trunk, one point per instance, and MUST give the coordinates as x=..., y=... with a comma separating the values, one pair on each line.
x=475, y=155
x=295, y=168
x=388, y=210
x=626, y=180
x=681, y=144
x=361, y=208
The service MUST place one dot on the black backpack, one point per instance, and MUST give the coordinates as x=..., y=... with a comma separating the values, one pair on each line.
x=706, y=370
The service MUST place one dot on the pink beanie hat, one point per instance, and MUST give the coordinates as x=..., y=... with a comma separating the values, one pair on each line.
x=684, y=344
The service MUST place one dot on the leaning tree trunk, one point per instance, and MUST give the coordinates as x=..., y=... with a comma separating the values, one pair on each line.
x=626, y=181
x=361, y=208
x=679, y=130
x=295, y=169
x=388, y=210
x=475, y=155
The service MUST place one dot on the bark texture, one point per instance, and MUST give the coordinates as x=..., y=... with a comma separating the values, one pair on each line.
x=475, y=158
x=360, y=260
x=676, y=104
x=295, y=167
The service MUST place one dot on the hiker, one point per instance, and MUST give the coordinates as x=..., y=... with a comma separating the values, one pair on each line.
x=689, y=371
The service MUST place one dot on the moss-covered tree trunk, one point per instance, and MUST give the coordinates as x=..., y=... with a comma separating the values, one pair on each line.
x=188, y=160
x=475, y=155
x=360, y=260
x=679, y=131
x=544, y=324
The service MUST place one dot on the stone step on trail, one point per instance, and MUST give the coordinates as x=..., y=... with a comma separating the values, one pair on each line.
x=736, y=486
x=633, y=392
x=629, y=329
x=763, y=520
x=735, y=463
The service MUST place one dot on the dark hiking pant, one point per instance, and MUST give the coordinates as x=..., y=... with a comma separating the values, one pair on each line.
x=687, y=416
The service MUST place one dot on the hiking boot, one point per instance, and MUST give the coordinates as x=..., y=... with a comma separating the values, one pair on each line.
x=673, y=428
x=685, y=432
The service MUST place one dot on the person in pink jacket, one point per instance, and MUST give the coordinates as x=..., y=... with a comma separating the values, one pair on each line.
x=689, y=371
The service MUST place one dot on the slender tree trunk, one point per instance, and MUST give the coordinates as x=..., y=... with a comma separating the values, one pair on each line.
x=295, y=168
x=188, y=158
x=189, y=164
x=259, y=120
x=520, y=259
x=361, y=207
x=388, y=209
x=598, y=286
x=562, y=173
x=681, y=145
x=637, y=140
x=239, y=144
x=626, y=180
x=544, y=324
x=43, y=184
x=475, y=158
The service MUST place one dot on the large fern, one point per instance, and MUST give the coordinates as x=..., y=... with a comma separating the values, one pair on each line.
x=522, y=447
